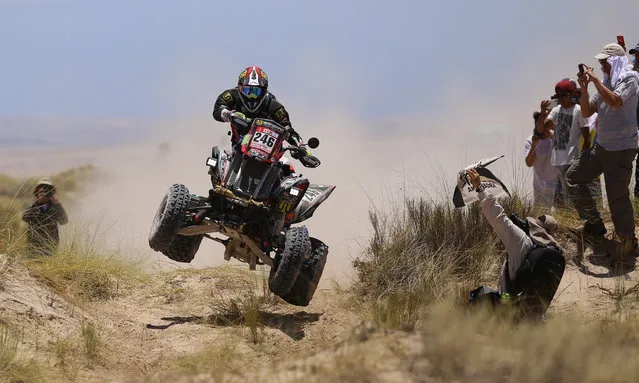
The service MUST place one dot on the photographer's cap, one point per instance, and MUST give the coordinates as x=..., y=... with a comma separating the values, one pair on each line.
x=565, y=86
x=612, y=49
x=43, y=183
x=635, y=49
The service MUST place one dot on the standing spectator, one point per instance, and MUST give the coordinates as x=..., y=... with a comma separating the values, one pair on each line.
x=615, y=100
x=43, y=218
x=538, y=149
x=568, y=126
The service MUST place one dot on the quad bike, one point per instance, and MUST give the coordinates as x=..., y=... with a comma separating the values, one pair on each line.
x=255, y=199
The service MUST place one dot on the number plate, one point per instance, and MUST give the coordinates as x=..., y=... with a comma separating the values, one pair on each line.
x=263, y=140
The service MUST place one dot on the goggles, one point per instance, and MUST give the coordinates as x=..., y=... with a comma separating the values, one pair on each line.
x=251, y=91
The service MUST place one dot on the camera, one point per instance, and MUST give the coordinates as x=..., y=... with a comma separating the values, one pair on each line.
x=576, y=96
x=520, y=222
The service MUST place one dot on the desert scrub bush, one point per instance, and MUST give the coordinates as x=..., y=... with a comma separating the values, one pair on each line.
x=425, y=250
x=80, y=272
x=423, y=242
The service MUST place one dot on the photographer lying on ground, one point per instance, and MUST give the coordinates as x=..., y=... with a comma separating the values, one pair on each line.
x=43, y=218
x=531, y=274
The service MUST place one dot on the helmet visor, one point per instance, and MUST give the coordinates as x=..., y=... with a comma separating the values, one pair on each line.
x=252, y=91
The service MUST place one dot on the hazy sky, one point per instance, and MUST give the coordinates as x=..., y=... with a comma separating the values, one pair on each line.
x=373, y=58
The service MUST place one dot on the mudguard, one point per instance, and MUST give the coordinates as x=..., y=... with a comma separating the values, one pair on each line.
x=314, y=196
x=291, y=189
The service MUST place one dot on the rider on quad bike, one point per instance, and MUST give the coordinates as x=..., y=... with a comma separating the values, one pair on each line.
x=251, y=99
x=257, y=201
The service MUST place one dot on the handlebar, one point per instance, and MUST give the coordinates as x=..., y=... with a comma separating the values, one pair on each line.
x=239, y=119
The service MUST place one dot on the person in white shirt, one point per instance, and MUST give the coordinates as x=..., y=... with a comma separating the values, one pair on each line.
x=538, y=150
x=568, y=126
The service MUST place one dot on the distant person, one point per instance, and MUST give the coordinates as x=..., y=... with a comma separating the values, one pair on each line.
x=568, y=126
x=615, y=100
x=163, y=150
x=535, y=264
x=538, y=150
x=43, y=218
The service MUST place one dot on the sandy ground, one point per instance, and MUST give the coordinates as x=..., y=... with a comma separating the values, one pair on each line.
x=175, y=315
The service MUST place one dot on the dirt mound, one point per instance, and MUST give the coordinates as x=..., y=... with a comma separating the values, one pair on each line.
x=215, y=320
x=197, y=320
x=27, y=306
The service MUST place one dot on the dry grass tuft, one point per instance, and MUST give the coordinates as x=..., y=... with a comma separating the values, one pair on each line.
x=15, y=364
x=218, y=360
x=91, y=341
x=244, y=306
x=81, y=272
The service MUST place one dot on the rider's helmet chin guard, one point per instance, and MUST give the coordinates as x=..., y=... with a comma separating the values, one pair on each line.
x=253, y=86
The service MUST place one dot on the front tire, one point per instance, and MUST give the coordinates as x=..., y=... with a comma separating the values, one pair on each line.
x=288, y=263
x=183, y=248
x=309, y=276
x=169, y=217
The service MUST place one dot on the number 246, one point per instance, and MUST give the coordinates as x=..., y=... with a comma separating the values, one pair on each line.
x=264, y=138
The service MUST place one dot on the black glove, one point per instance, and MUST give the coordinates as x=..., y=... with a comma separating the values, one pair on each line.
x=240, y=122
x=521, y=223
x=310, y=161
x=293, y=137
x=297, y=154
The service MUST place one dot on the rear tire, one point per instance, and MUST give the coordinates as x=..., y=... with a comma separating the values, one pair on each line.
x=184, y=248
x=309, y=276
x=169, y=217
x=288, y=263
